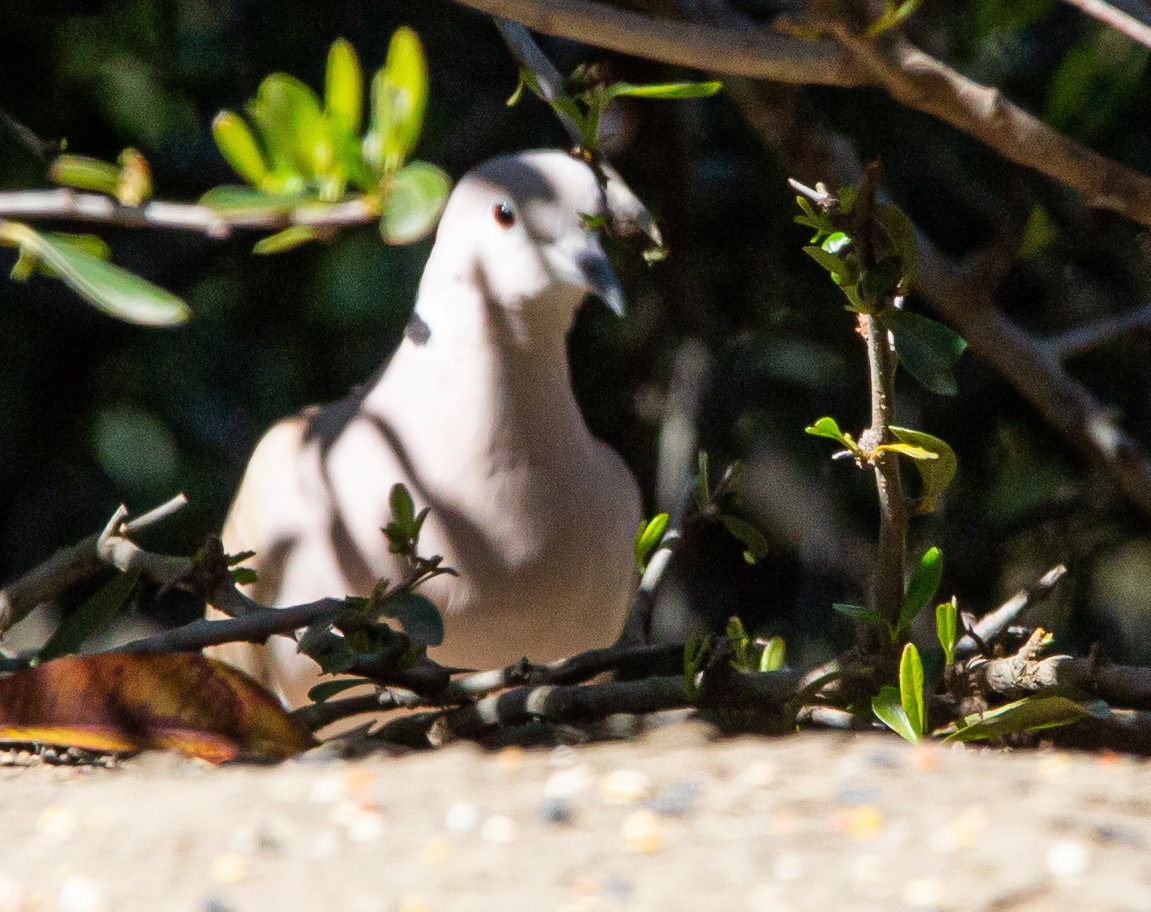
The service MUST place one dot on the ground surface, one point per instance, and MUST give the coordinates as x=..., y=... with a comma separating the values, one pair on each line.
x=674, y=821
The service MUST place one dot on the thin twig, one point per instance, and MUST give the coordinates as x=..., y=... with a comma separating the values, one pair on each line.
x=995, y=622
x=1124, y=23
x=1096, y=334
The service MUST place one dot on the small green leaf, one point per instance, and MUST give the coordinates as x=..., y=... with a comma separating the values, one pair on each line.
x=344, y=86
x=416, y=197
x=231, y=199
x=236, y=143
x=883, y=279
x=695, y=653
x=1033, y=713
x=291, y=123
x=888, y=709
x=947, y=627
x=774, y=655
x=664, y=90
x=85, y=173
x=1038, y=233
x=923, y=585
x=927, y=349
x=288, y=239
x=403, y=508
x=829, y=428
x=911, y=689
x=901, y=233
x=860, y=613
x=906, y=449
x=937, y=474
x=648, y=537
x=842, y=272
x=101, y=609
x=399, y=96
x=108, y=287
x=753, y=540
x=325, y=690
x=244, y=576
x=702, y=485
x=418, y=617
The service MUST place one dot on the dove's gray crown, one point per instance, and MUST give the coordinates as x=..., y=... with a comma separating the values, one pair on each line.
x=475, y=414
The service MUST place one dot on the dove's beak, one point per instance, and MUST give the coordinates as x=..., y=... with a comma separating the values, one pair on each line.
x=600, y=279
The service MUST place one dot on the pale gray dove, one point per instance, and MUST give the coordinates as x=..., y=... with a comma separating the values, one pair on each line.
x=475, y=414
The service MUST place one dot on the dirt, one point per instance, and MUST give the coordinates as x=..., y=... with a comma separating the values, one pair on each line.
x=676, y=820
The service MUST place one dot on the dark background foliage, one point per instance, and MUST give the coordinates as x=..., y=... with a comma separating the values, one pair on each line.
x=94, y=412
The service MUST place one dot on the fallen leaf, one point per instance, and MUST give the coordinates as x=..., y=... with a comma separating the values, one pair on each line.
x=127, y=702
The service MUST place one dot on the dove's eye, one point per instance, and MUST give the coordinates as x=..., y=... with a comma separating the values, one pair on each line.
x=503, y=215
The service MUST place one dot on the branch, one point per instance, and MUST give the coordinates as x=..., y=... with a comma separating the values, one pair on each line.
x=995, y=622
x=96, y=208
x=1099, y=333
x=755, y=53
x=1122, y=22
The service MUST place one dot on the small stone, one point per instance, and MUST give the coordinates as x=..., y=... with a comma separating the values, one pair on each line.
x=624, y=786
x=856, y=795
x=367, y=825
x=56, y=822
x=498, y=829
x=511, y=758
x=643, y=832
x=924, y=893
x=677, y=799
x=555, y=811
x=228, y=868
x=81, y=894
x=436, y=852
x=1067, y=859
x=462, y=817
x=562, y=755
x=568, y=783
x=759, y=774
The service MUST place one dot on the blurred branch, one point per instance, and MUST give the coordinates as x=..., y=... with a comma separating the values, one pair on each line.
x=70, y=565
x=988, y=627
x=99, y=209
x=754, y=53
x=1122, y=22
x=1099, y=333
x=910, y=76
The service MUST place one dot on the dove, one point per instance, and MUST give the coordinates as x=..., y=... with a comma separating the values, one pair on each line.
x=475, y=414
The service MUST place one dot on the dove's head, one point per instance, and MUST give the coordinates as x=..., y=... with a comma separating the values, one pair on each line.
x=525, y=228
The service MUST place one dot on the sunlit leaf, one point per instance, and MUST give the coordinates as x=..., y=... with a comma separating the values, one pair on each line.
x=841, y=271
x=664, y=90
x=135, y=183
x=923, y=585
x=230, y=199
x=647, y=537
x=127, y=702
x=927, y=349
x=288, y=239
x=947, y=627
x=108, y=287
x=416, y=197
x=84, y=173
x=911, y=695
x=239, y=147
x=344, y=86
x=399, y=96
x=829, y=428
x=906, y=449
x=1038, y=232
x=291, y=122
x=774, y=655
x=1033, y=713
x=937, y=474
x=888, y=709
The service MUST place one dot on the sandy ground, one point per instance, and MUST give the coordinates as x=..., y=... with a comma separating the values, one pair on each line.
x=674, y=821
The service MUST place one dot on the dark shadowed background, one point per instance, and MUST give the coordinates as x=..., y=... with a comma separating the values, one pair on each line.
x=734, y=343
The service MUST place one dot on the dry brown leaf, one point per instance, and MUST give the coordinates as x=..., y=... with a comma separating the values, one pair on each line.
x=129, y=702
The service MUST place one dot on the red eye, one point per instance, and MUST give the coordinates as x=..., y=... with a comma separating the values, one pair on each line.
x=503, y=215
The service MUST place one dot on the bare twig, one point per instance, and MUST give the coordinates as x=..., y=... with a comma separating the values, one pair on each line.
x=98, y=209
x=1099, y=333
x=67, y=567
x=1124, y=23
x=995, y=622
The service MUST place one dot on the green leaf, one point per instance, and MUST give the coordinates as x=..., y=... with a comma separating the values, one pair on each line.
x=888, y=709
x=695, y=653
x=1030, y=714
x=702, y=485
x=1038, y=232
x=947, y=627
x=239, y=147
x=325, y=690
x=85, y=173
x=244, y=576
x=883, y=279
x=901, y=233
x=402, y=506
x=113, y=290
x=937, y=474
x=829, y=428
x=291, y=124
x=288, y=239
x=648, y=537
x=911, y=689
x=94, y=615
x=416, y=197
x=344, y=86
x=774, y=655
x=842, y=272
x=753, y=540
x=906, y=449
x=664, y=90
x=399, y=96
x=231, y=199
x=418, y=617
x=927, y=349
x=923, y=585
x=893, y=14
x=860, y=613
